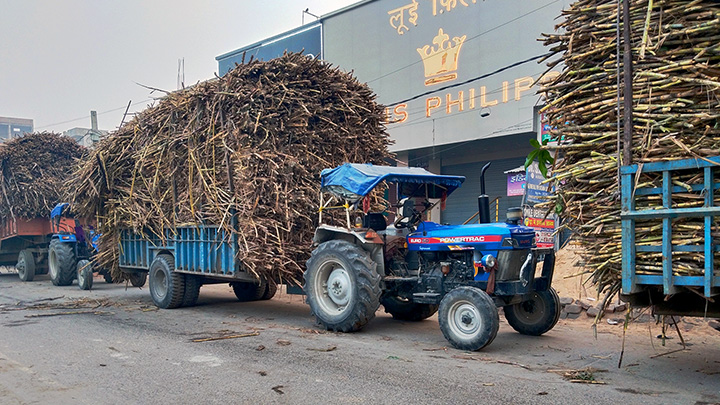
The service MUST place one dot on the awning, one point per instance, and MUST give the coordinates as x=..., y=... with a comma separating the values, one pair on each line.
x=355, y=180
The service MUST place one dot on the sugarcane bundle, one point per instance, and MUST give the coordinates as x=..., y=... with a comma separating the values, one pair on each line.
x=675, y=86
x=33, y=170
x=250, y=144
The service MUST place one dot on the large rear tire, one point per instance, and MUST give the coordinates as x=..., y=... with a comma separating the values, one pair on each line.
x=167, y=287
x=26, y=265
x=342, y=286
x=404, y=310
x=535, y=316
x=84, y=274
x=468, y=318
x=62, y=262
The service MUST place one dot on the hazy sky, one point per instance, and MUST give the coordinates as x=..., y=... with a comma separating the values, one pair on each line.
x=59, y=59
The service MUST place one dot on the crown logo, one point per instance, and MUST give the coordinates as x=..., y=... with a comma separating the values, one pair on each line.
x=441, y=60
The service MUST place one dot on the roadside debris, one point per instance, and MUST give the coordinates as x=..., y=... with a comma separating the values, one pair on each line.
x=226, y=337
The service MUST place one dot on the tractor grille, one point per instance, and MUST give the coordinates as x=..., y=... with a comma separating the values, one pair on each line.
x=510, y=263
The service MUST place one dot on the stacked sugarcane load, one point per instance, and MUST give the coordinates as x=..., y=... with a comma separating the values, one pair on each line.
x=269, y=127
x=33, y=171
x=675, y=86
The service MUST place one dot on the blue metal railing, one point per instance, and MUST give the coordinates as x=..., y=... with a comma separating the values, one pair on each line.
x=633, y=282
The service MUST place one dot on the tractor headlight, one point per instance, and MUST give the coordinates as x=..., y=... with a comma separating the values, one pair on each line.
x=489, y=261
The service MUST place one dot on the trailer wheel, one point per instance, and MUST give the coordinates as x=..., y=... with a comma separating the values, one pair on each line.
x=138, y=279
x=404, y=310
x=192, y=290
x=61, y=260
x=84, y=274
x=468, y=318
x=167, y=287
x=108, y=277
x=342, y=286
x=247, y=291
x=535, y=316
x=26, y=265
x=271, y=288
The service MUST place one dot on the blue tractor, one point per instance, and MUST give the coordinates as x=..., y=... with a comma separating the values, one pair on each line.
x=71, y=250
x=415, y=268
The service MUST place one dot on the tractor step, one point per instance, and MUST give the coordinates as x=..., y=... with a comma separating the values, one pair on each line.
x=427, y=298
x=396, y=279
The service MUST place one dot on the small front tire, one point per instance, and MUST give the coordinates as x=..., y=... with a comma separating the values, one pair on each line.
x=468, y=318
x=84, y=274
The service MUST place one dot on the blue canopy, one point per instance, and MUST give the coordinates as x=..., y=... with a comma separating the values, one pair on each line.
x=355, y=180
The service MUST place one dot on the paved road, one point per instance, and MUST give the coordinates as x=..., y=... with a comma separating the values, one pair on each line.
x=118, y=348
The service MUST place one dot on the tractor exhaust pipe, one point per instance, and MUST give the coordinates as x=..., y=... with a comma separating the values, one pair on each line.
x=483, y=199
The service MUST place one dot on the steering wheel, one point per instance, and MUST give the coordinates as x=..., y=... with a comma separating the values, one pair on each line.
x=408, y=222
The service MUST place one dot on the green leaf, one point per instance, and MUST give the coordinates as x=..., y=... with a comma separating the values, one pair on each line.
x=543, y=168
x=531, y=158
x=535, y=144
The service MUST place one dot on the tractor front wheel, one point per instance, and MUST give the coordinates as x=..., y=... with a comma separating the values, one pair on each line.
x=61, y=260
x=342, y=286
x=404, y=310
x=84, y=274
x=536, y=315
x=468, y=318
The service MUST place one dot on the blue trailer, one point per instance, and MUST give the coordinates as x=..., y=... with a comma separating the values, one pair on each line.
x=185, y=258
x=670, y=288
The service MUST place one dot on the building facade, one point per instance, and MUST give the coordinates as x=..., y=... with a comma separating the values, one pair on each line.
x=459, y=79
x=14, y=127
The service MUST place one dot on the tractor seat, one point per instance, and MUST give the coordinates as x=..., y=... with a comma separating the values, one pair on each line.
x=375, y=221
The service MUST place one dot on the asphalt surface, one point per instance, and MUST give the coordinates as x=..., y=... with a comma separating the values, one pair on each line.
x=113, y=346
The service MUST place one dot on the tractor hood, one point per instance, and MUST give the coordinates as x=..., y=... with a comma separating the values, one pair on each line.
x=492, y=236
x=353, y=181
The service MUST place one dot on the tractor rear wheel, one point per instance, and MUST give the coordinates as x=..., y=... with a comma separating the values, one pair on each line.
x=342, y=286
x=535, y=316
x=167, y=287
x=26, y=265
x=62, y=263
x=84, y=274
x=468, y=318
x=404, y=310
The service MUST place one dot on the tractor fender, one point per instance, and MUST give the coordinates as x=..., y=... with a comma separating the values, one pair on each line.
x=373, y=245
